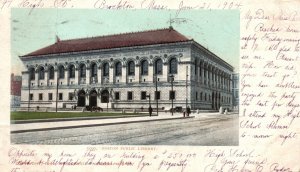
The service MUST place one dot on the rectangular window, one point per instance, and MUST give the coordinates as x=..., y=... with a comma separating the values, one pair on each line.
x=49, y=96
x=60, y=96
x=41, y=96
x=129, y=95
x=117, y=95
x=157, y=95
x=196, y=95
x=172, y=95
x=236, y=94
x=143, y=95
x=71, y=96
x=31, y=97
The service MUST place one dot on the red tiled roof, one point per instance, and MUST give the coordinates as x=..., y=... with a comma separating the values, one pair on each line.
x=161, y=36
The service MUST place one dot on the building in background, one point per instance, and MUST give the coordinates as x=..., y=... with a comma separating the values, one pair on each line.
x=235, y=91
x=15, y=90
x=125, y=71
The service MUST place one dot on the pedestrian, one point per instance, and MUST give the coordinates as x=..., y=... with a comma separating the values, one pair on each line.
x=188, y=111
x=150, y=110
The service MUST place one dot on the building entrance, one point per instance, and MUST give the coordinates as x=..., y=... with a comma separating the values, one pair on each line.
x=81, y=98
x=104, y=96
x=93, y=98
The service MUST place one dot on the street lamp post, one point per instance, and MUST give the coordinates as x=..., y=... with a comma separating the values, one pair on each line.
x=156, y=94
x=107, y=100
x=56, y=91
x=186, y=88
x=106, y=80
x=172, y=93
x=111, y=97
x=29, y=83
x=107, y=105
x=149, y=96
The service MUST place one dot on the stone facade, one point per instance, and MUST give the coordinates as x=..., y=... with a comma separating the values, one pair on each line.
x=124, y=77
x=235, y=90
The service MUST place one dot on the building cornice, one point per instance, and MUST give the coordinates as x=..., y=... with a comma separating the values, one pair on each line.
x=217, y=58
x=112, y=50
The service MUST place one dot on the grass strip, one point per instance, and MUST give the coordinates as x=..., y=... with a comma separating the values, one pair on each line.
x=49, y=115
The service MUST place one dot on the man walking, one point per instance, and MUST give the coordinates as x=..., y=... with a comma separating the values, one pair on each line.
x=188, y=111
x=150, y=110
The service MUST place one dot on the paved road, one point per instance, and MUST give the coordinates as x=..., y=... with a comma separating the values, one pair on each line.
x=208, y=130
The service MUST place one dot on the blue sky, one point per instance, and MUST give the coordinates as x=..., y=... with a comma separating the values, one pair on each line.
x=217, y=30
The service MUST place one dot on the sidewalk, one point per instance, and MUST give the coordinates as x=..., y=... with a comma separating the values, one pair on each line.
x=42, y=126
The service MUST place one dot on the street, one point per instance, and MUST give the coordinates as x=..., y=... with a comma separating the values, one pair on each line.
x=203, y=130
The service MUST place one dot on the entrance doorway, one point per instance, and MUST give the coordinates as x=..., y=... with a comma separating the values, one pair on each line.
x=93, y=98
x=81, y=98
x=104, y=96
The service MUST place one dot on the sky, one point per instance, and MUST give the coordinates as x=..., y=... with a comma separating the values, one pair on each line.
x=217, y=30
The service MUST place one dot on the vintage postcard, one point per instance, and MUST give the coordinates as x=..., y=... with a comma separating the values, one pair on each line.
x=150, y=86
x=122, y=77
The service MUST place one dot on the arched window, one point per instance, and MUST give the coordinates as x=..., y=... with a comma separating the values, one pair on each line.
x=72, y=71
x=105, y=69
x=118, y=69
x=31, y=74
x=173, y=66
x=94, y=70
x=82, y=71
x=61, y=71
x=144, y=67
x=130, y=68
x=158, y=67
x=41, y=73
x=51, y=72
